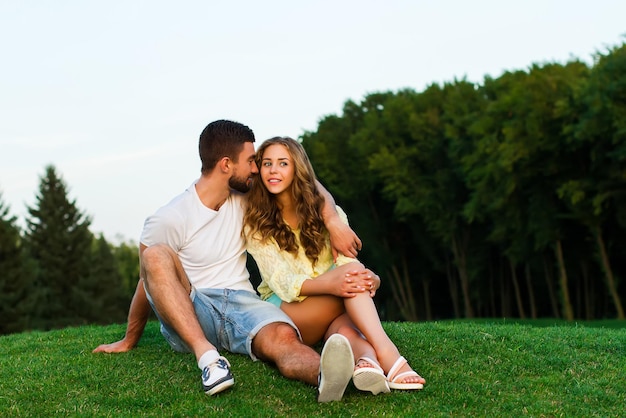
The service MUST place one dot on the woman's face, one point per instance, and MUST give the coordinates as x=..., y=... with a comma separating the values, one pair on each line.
x=277, y=169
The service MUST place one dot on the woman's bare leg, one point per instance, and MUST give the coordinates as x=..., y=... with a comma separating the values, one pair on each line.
x=360, y=346
x=366, y=375
x=363, y=313
x=314, y=315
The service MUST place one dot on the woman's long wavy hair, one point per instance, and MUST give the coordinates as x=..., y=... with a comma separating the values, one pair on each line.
x=263, y=215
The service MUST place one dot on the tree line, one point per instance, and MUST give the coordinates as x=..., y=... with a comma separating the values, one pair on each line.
x=504, y=198
x=499, y=199
x=56, y=273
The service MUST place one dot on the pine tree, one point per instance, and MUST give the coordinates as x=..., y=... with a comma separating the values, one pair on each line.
x=15, y=278
x=100, y=294
x=59, y=240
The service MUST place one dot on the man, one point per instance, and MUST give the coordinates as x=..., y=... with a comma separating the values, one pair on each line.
x=193, y=274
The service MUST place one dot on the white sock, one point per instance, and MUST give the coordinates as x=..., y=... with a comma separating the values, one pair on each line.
x=207, y=358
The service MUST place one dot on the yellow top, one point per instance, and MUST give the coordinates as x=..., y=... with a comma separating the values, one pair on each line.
x=282, y=272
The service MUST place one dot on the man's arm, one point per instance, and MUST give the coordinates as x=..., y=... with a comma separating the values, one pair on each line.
x=137, y=318
x=138, y=314
x=342, y=238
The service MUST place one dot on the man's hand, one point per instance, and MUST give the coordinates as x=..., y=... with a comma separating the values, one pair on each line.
x=343, y=239
x=120, y=346
x=137, y=319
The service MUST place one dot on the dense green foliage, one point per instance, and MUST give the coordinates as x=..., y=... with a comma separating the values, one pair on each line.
x=58, y=274
x=488, y=369
x=504, y=199
x=15, y=276
x=500, y=199
x=59, y=240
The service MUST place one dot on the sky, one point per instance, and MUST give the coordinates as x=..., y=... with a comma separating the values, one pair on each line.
x=115, y=93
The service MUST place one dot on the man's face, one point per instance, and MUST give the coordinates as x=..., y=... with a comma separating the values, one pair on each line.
x=244, y=169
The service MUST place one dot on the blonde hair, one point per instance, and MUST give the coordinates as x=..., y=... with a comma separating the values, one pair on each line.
x=263, y=218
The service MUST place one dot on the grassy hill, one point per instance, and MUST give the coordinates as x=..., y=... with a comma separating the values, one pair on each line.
x=489, y=368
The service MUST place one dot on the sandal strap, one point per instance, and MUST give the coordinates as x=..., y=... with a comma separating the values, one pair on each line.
x=403, y=375
x=401, y=361
x=370, y=361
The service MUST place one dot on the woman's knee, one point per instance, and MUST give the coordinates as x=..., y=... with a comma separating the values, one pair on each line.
x=349, y=331
x=344, y=326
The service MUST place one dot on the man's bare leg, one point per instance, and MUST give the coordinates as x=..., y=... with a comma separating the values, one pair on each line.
x=279, y=343
x=168, y=286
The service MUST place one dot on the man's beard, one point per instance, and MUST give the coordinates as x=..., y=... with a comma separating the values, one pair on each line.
x=239, y=184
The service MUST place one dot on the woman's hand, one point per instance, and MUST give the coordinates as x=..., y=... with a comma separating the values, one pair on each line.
x=365, y=279
x=345, y=281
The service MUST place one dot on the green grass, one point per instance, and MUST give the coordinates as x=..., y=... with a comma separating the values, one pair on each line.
x=488, y=368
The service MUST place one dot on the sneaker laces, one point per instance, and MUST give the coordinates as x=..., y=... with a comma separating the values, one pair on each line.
x=219, y=363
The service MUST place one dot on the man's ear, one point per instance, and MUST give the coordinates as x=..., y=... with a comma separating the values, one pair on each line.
x=224, y=164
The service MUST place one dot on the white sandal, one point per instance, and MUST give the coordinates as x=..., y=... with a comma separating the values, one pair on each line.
x=370, y=378
x=394, y=378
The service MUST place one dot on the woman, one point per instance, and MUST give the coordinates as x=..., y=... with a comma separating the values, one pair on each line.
x=287, y=238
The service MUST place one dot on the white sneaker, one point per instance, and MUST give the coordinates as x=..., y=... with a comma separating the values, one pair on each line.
x=336, y=367
x=216, y=377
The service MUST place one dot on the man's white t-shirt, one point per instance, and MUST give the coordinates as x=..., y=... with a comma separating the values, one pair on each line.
x=209, y=243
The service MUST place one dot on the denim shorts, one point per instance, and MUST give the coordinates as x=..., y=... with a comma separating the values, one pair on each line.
x=229, y=318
